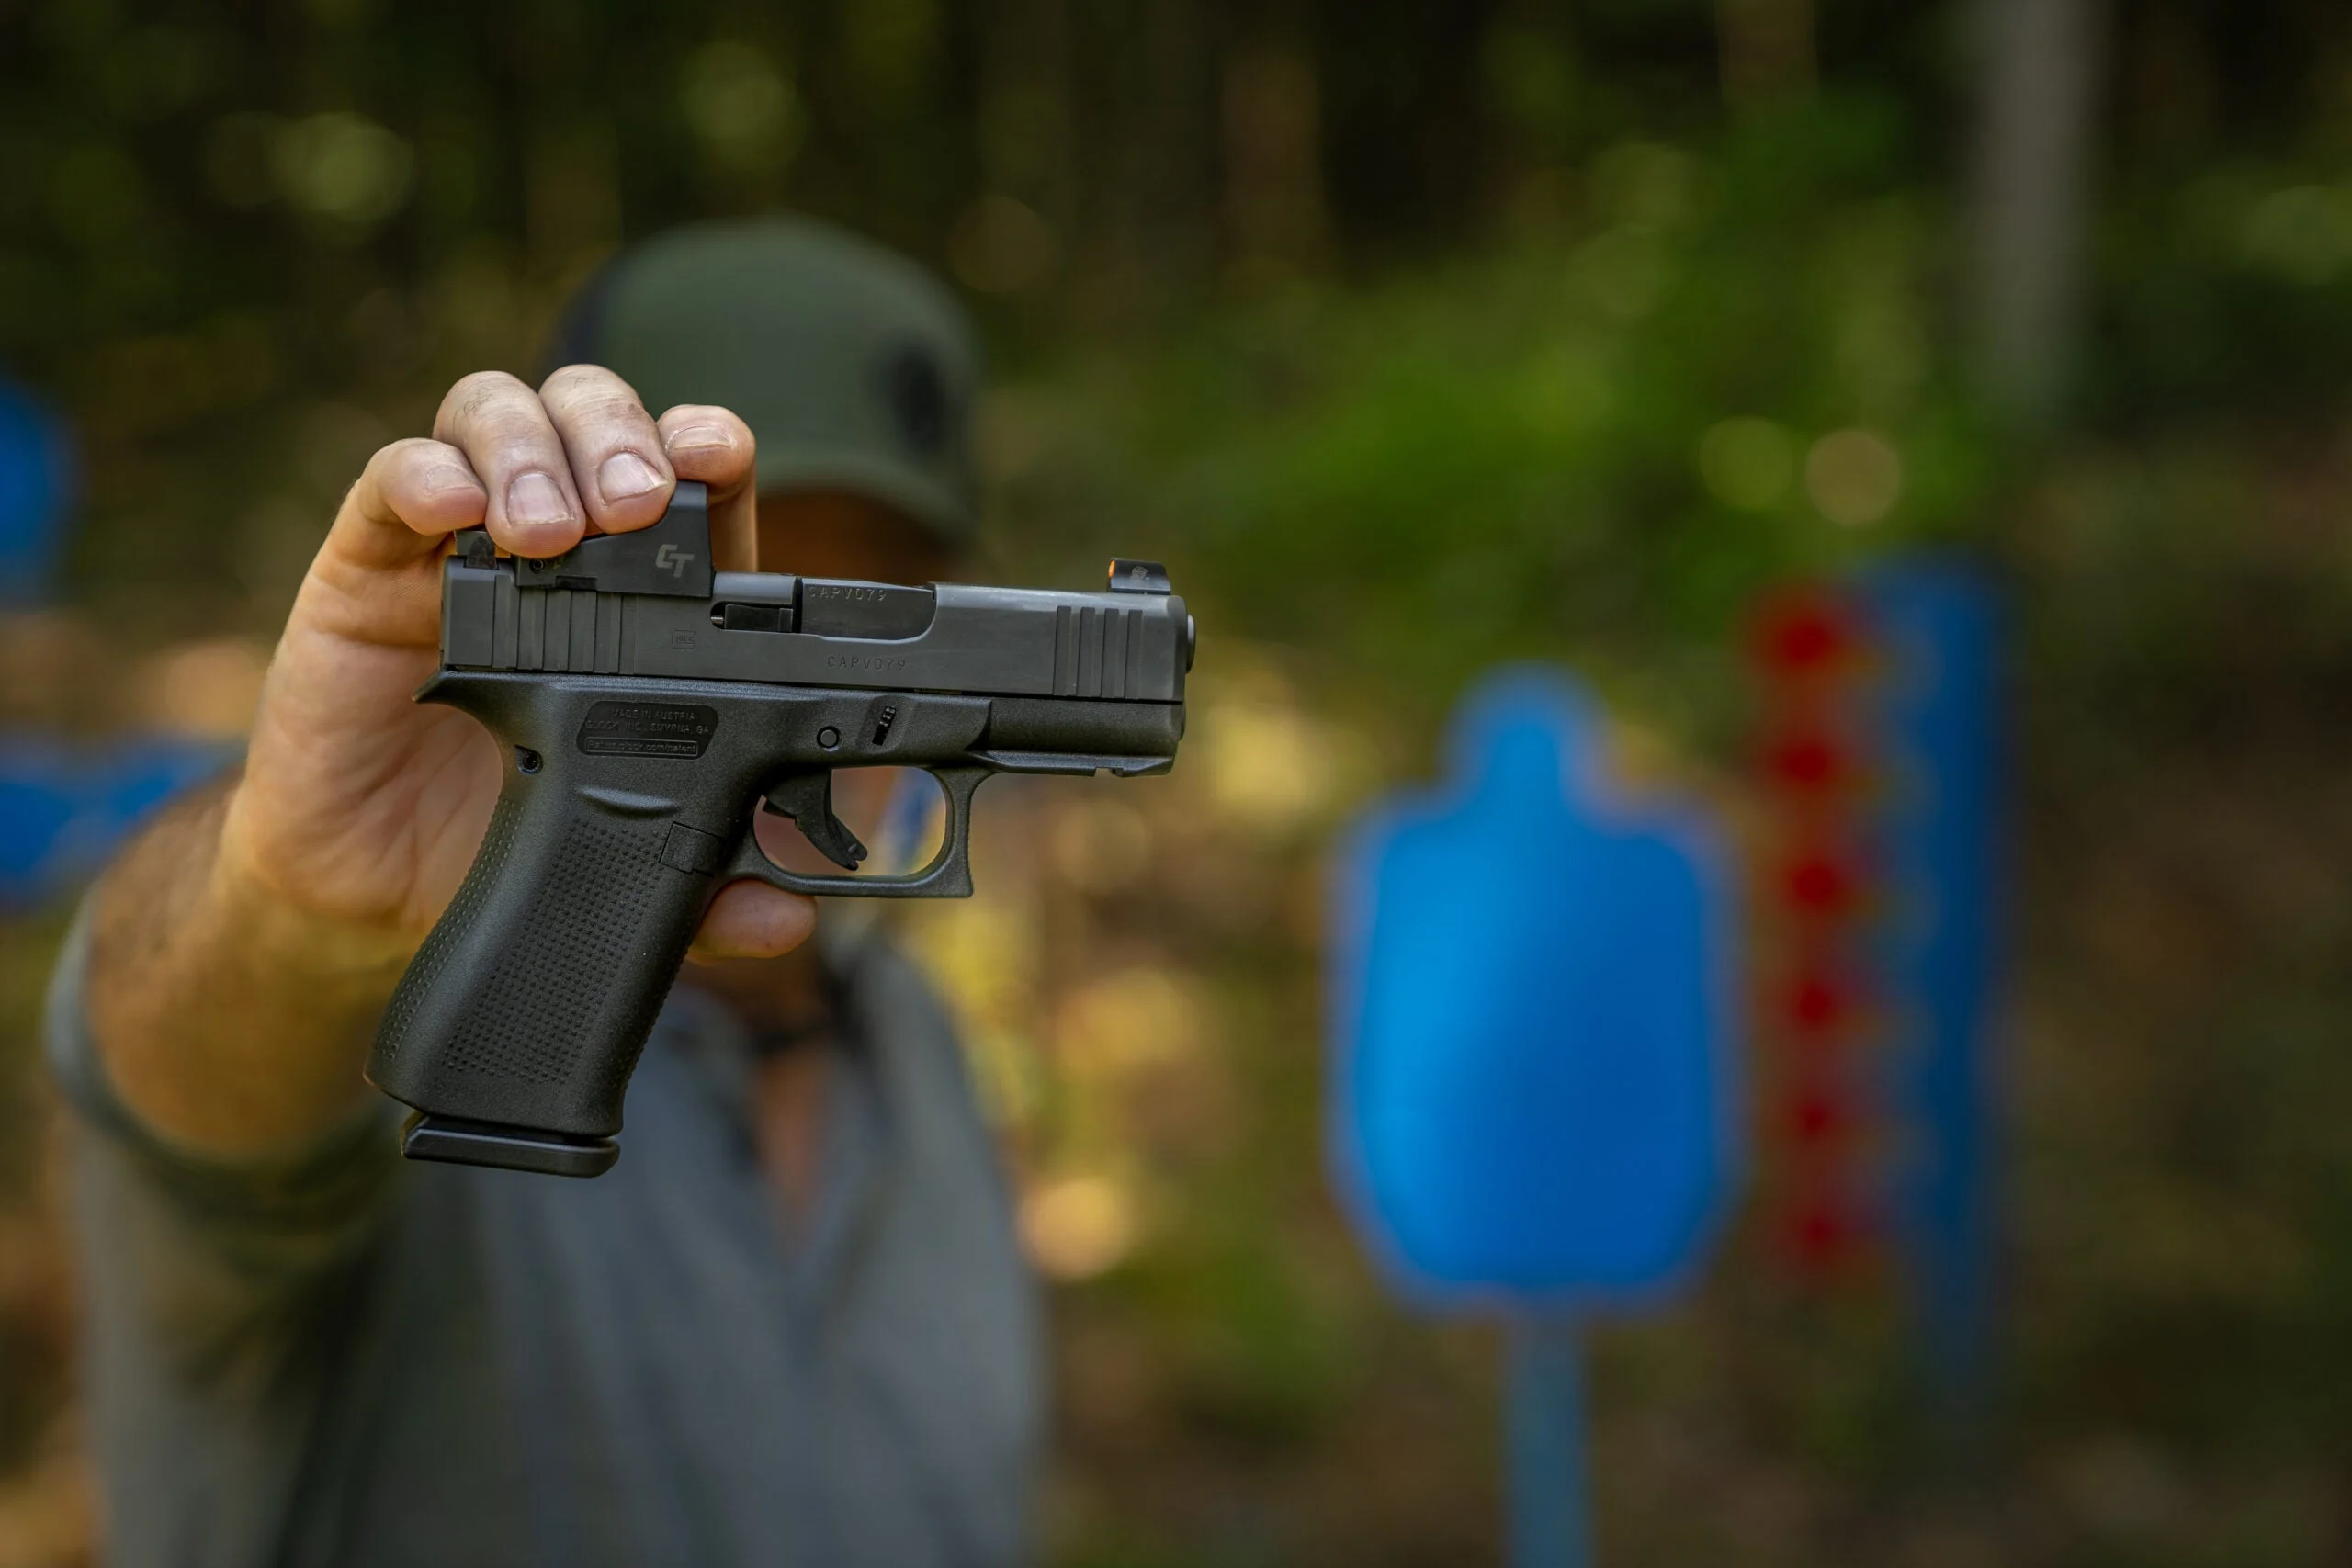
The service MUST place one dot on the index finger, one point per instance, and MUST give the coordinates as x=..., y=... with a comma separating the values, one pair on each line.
x=411, y=493
x=374, y=577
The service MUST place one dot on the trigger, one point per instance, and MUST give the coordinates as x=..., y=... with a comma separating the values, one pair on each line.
x=807, y=799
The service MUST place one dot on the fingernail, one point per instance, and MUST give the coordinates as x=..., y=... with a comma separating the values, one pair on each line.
x=450, y=476
x=533, y=498
x=624, y=474
x=701, y=436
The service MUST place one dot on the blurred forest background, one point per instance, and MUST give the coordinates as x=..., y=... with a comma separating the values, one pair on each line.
x=1413, y=336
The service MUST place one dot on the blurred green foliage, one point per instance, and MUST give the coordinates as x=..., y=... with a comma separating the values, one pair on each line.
x=1602, y=436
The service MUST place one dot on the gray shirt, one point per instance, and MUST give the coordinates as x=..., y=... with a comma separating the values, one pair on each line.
x=339, y=1358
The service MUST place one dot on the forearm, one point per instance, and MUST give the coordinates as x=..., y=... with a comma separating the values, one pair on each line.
x=228, y=1020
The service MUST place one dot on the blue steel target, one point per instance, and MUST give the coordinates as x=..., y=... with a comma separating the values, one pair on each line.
x=1532, y=1094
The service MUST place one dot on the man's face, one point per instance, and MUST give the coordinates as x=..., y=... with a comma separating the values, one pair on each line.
x=831, y=533
x=839, y=534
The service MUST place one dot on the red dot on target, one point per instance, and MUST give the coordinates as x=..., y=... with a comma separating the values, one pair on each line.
x=1804, y=634
x=1820, y=883
x=1808, y=761
x=1817, y=1003
x=1820, y=1235
x=1817, y=1117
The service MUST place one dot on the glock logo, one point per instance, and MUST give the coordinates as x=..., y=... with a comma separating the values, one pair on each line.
x=671, y=559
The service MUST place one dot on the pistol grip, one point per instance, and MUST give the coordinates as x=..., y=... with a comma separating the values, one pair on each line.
x=518, y=1022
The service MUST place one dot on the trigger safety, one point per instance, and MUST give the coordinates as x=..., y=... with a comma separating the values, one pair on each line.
x=807, y=799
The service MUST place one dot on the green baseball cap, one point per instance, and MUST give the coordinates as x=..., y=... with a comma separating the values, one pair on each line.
x=855, y=369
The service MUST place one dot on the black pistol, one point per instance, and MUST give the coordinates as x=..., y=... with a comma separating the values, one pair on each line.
x=646, y=702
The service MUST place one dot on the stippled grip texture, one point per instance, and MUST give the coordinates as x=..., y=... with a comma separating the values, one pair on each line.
x=450, y=933
x=531, y=1000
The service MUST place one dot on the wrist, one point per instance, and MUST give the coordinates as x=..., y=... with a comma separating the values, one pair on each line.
x=283, y=927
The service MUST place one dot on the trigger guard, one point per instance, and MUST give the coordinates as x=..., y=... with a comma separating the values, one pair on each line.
x=949, y=874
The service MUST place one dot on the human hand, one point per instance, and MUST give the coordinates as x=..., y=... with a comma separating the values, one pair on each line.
x=363, y=808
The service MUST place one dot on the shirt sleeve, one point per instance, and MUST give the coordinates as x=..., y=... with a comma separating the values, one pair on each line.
x=220, y=1267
